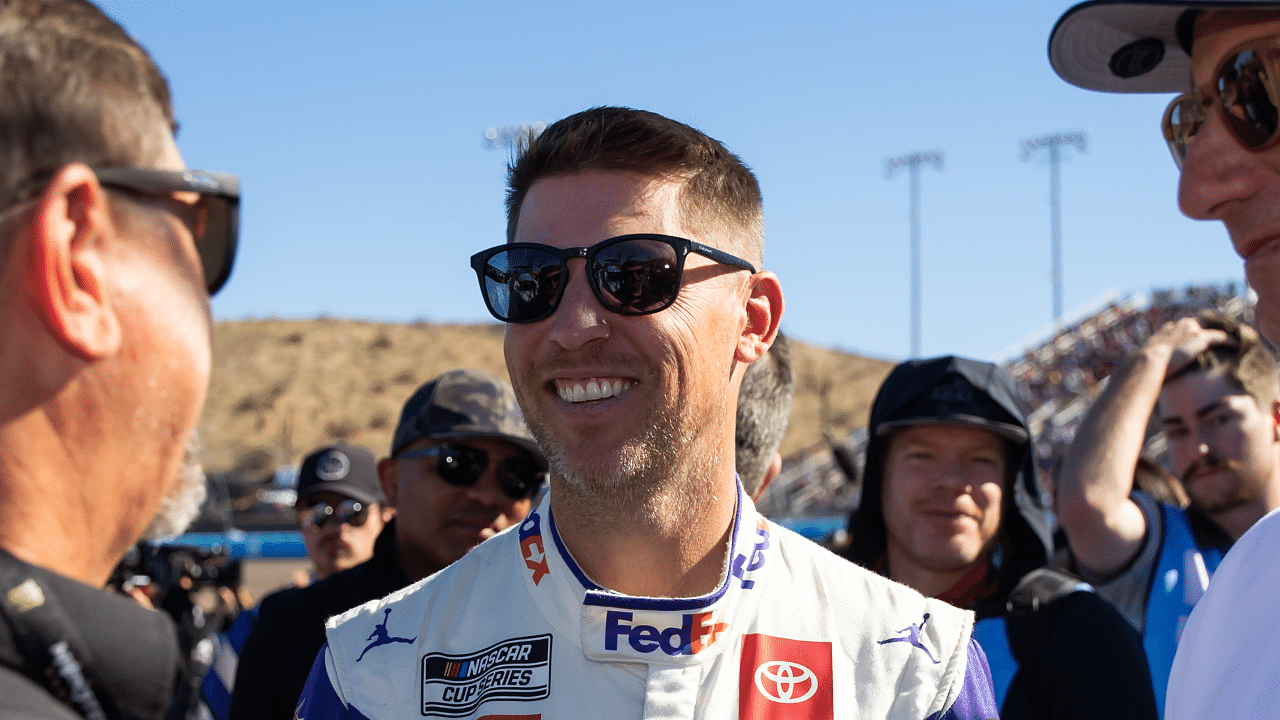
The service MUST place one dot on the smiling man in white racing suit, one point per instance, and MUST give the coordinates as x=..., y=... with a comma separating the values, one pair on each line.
x=645, y=584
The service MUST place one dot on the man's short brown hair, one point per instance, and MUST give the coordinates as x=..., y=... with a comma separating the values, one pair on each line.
x=74, y=87
x=1250, y=365
x=719, y=193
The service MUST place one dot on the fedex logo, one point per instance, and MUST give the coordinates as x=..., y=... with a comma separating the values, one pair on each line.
x=743, y=565
x=535, y=556
x=695, y=634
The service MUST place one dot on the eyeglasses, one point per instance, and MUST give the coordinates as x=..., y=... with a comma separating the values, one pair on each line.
x=1246, y=92
x=629, y=274
x=216, y=226
x=352, y=512
x=463, y=466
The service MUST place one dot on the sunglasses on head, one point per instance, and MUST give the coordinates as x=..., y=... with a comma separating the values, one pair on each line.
x=463, y=466
x=215, y=222
x=629, y=274
x=1245, y=90
x=352, y=512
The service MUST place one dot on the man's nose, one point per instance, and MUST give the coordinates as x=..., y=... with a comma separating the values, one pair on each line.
x=579, y=319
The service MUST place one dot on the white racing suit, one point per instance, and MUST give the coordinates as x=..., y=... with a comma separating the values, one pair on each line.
x=515, y=629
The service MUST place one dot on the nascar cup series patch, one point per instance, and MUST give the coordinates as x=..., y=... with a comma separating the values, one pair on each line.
x=516, y=669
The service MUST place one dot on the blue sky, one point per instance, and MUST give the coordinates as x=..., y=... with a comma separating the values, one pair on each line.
x=356, y=130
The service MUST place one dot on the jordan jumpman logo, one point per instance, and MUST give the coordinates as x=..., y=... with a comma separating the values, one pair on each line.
x=911, y=634
x=380, y=636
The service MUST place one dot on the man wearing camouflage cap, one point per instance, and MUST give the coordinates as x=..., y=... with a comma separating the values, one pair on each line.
x=463, y=467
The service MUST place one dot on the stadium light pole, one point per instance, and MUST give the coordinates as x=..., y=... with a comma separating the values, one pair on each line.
x=512, y=136
x=912, y=162
x=1053, y=143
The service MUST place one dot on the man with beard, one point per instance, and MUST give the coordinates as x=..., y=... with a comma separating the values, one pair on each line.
x=645, y=584
x=462, y=468
x=1222, y=130
x=109, y=250
x=340, y=507
x=1214, y=388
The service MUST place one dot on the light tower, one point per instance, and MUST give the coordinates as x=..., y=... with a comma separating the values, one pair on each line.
x=512, y=136
x=1053, y=143
x=912, y=162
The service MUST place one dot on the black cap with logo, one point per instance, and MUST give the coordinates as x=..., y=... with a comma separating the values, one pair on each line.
x=344, y=469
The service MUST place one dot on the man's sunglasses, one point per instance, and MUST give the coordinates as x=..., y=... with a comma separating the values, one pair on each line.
x=629, y=274
x=1246, y=91
x=463, y=466
x=352, y=512
x=216, y=225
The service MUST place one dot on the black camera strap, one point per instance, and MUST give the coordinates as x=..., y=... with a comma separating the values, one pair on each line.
x=52, y=648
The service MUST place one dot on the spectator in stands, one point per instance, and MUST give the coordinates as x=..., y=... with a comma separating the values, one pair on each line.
x=1214, y=388
x=764, y=407
x=951, y=507
x=341, y=508
x=462, y=468
x=109, y=251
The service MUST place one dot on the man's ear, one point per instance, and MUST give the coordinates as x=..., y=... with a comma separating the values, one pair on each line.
x=1275, y=420
x=389, y=479
x=764, y=314
x=71, y=230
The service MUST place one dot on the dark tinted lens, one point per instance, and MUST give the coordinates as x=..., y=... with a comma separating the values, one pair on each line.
x=523, y=284
x=1242, y=86
x=216, y=242
x=461, y=466
x=349, y=511
x=636, y=276
x=520, y=478
x=353, y=512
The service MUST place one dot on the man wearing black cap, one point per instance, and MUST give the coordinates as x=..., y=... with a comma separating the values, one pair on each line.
x=951, y=507
x=1224, y=133
x=341, y=508
x=462, y=468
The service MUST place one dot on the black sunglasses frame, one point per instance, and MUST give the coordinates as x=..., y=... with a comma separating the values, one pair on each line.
x=217, y=245
x=346, y=512
x=1207, y=99
x=463, y=466
x=681, y=246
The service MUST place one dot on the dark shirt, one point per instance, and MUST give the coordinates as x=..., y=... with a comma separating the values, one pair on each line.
x=127, y=654
x=289, y=631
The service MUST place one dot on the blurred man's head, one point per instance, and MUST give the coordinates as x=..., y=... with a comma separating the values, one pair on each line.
x=1221, y=421
x=463, y=467
x=764, y=407
x=109, y=249
x=340, y=506
x=1224, y=131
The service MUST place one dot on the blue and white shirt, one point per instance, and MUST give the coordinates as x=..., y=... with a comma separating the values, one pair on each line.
x=515, y=629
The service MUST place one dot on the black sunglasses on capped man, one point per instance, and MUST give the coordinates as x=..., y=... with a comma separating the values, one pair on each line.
x=634, y=274
x=463, y=466
x=217, y=223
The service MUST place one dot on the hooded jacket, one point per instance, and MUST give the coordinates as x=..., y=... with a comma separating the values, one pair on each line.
x=1069, y=654
x=1026, y=542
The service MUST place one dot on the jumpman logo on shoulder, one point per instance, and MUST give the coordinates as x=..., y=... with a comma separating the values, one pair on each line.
x=380, y=636
x=911, y=634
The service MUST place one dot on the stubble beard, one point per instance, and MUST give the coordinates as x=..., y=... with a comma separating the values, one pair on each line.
x=652, y=479
x=182, y=503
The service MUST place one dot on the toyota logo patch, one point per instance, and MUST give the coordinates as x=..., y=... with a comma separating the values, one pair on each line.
x=785, y=682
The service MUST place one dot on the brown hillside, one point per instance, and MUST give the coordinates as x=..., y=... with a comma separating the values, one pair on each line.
x=283, y=387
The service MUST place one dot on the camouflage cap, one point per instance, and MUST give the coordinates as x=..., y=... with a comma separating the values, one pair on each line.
x=464, y=403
